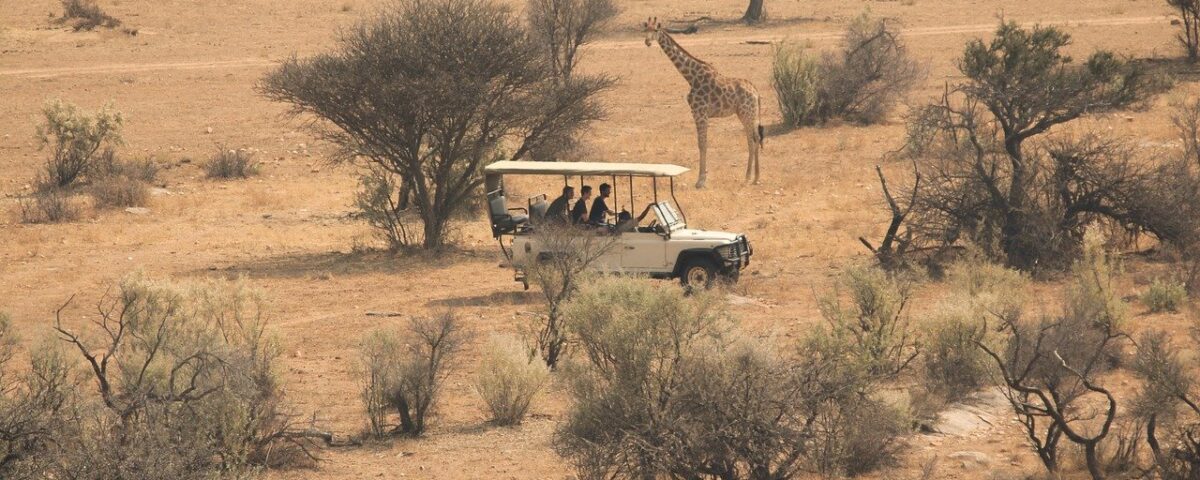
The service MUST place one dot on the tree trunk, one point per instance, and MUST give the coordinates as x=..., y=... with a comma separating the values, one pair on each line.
x=1093, y=463
x=435, y=228
x=754, y=12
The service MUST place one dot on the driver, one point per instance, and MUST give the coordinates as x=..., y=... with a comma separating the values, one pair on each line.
x=627, y=223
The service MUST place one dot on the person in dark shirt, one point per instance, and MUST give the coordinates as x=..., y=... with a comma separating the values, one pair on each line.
x=557, y=213
x=579, y=213
x=600, y=212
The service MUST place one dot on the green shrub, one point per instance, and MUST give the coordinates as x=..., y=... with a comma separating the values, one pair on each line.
x=874, y=324
x=953, y=365
x=1164, y=296
x=796, y=78
x=75, y=139
x=511, y=376
x=231, y=163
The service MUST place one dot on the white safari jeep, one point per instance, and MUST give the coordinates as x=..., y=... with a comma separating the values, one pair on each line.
x=660, y=245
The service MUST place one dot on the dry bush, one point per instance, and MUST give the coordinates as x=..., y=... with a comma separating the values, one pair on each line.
x=433, y=91
x=666, y=388
x=981, y=182
x=229, y=163
x=874, y=323
x=567, y=253
x=33, y=403
x=861, y=83
x=187, y=386
x=953, y=365
x=119, y=192
x=561, y=27
x=1167, y=405
x=1049, y=366
x=1164, y=296
x=75, y=139
x=404, y=371
x=52, y=206
x=109, y=164
x=858, y=436
x=381, y=202
x=86, y=15
x=509, y=379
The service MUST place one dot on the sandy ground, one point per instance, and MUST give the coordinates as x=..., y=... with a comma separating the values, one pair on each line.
x=193, y=67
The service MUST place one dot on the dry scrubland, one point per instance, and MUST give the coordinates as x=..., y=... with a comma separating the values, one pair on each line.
x=185, y=85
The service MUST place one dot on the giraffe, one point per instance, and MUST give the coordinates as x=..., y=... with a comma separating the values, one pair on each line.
x=712, y=95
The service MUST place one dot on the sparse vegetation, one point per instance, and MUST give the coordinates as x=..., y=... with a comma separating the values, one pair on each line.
x=1164, y=296
x=667, y=387
x=229, y=163
x=86, y=15
x=181, y=384
x=75, y=139
x=49, y=207
x=403, y=373
x=861, y=83
x=509, y=379
x=394, y=101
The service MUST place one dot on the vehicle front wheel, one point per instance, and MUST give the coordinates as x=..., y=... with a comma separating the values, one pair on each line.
x=698, y=272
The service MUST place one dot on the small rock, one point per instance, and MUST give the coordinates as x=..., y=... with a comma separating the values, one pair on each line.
x=159, y=191
x=137, y=210
x=208, y=130
x=969, y=458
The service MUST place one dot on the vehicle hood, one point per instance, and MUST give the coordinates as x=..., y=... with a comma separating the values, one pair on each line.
x=705, y=235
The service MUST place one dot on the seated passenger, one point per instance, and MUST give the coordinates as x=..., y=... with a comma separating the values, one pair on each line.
x=627, y=223
x=600, y=211
x=557, y=213
x=579, y=213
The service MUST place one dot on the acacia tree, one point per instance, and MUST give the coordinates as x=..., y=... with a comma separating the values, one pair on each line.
x=432, y=91
x=980, y=180
x=754, y=12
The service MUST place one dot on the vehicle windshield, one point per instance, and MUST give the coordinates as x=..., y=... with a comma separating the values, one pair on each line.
x=668, y=216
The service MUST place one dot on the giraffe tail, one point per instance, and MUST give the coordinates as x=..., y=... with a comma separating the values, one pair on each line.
x=762, y=135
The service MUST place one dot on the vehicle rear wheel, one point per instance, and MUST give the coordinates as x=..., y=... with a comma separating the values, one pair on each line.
x=698, y=272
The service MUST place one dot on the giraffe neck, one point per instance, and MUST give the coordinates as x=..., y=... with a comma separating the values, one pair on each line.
x=689, y=66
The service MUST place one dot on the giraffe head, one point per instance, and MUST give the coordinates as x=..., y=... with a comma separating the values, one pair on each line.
x=652, y=29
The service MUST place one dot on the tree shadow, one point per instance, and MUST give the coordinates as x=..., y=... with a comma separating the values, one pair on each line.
x=1178, y=68
x=333, y=264
x=505, y=298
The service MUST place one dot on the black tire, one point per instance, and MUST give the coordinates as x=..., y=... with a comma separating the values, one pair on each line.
x=698, y=272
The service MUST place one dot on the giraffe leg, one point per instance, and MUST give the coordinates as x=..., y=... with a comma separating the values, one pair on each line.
x=752, y=147
x=702, y=142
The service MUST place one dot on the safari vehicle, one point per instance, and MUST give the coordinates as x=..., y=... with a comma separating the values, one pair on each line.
x=661, y=245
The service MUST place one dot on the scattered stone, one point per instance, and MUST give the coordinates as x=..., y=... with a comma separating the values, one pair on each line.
x=156, y=191
x=137, y=210
x=971, y=459
x=208, y=130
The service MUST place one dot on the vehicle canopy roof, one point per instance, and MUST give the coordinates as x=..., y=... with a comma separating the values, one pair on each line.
x=516, y=167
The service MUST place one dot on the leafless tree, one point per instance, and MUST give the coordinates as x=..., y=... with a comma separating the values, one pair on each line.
x=561, y=27
x=567, y=254
x=432, y=91
x=1189, y=12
